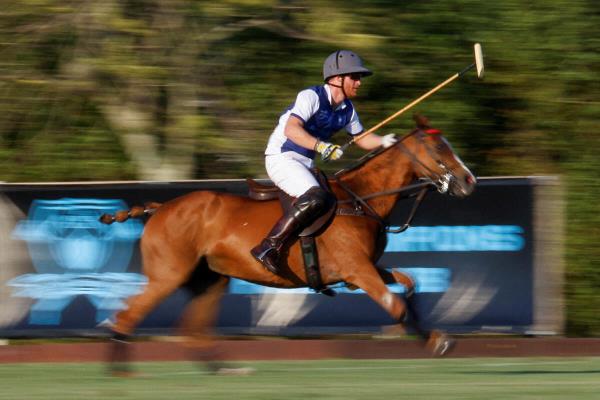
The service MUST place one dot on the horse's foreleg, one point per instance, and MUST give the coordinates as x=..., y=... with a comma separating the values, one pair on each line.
x=390, y=277
x=438, y=342
x=397, y=277
x=375, y=287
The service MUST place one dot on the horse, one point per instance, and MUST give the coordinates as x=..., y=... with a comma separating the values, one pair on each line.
x=210, y=234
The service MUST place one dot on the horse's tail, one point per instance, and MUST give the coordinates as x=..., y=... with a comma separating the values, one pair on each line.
x=134, y=212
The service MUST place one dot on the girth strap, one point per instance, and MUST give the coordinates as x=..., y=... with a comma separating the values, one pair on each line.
x=311, y=266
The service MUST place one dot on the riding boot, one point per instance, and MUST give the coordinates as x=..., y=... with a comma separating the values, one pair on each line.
x=270, y=250
x=307, y=208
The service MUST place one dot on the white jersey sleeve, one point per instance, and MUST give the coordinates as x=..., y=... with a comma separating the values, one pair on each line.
x=354, y=127
x=306, y=104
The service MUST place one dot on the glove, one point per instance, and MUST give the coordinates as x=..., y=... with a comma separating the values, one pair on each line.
x=388, y=140
x=329, y=151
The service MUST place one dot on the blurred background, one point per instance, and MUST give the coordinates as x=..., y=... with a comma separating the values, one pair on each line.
x=172, y=90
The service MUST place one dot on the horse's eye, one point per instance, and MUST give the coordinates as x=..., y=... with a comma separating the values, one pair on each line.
x=439, y=146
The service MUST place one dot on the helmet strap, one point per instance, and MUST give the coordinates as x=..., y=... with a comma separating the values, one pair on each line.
x=343, y=90
x=334, y=85
x=340, y=86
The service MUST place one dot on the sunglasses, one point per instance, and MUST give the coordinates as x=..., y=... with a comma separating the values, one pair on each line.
x=356, y=76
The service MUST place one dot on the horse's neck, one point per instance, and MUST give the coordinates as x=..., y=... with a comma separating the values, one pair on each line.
x=390, y=170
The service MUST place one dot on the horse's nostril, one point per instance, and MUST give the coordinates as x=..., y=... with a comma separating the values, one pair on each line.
x=470, y=179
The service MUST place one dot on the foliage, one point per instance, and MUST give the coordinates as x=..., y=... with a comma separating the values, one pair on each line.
x=147, y=89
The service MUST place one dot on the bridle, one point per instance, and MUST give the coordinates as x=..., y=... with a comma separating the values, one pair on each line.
x=440, y=180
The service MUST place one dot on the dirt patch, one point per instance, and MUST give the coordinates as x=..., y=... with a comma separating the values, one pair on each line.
x=309, y=349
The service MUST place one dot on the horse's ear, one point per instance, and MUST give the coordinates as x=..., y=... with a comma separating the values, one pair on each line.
x=421, y=121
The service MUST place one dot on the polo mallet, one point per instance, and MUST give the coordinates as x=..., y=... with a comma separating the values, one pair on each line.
x=478, y=64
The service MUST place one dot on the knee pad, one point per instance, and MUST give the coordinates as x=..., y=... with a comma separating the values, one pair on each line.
x=314, y=203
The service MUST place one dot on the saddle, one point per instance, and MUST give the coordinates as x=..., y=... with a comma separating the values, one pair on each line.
x=262, y=192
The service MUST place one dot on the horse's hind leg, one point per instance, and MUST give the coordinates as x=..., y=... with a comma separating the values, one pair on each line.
x=164, y=277
x=200, y=315
x=137, y=308
x=198, y=321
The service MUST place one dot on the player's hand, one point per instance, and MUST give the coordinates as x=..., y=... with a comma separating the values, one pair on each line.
x=329, y=151
x=388, y=140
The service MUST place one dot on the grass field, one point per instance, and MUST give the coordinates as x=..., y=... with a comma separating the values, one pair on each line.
x=474, y=378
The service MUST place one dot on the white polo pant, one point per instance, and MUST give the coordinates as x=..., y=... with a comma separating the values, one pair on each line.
x=290, y=171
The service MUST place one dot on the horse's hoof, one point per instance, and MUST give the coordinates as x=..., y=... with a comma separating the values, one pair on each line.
x=440, y=344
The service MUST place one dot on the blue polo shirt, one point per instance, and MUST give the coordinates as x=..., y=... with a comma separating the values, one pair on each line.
x=313, y=107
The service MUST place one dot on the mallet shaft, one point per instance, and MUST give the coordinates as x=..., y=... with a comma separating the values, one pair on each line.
x=409, y=106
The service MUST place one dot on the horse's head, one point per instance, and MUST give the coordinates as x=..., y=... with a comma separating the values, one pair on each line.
x=433, y=158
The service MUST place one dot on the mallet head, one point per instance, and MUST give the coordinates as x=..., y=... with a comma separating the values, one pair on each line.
x=478, y=60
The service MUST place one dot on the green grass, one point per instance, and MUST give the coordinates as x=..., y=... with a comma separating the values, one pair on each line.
x=478, y=378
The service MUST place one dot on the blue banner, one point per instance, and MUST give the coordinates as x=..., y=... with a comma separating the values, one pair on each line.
x=65, y=272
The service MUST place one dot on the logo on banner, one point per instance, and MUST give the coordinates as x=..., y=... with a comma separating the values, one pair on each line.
x=458, y=238
x=76, y=255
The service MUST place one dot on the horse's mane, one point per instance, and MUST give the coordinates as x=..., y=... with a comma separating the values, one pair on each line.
x=369, y=156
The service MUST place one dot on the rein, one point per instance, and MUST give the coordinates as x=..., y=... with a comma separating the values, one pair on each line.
x=360, y=204
x=440, y=181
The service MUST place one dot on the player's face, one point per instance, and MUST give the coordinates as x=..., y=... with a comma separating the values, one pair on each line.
x=351, y=83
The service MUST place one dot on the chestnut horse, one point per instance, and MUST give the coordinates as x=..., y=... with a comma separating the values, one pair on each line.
x=213, y=232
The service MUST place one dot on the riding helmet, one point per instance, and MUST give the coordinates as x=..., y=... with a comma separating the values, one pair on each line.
x=343, y=62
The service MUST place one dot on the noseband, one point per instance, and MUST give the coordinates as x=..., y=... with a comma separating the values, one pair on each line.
x=441, y=180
